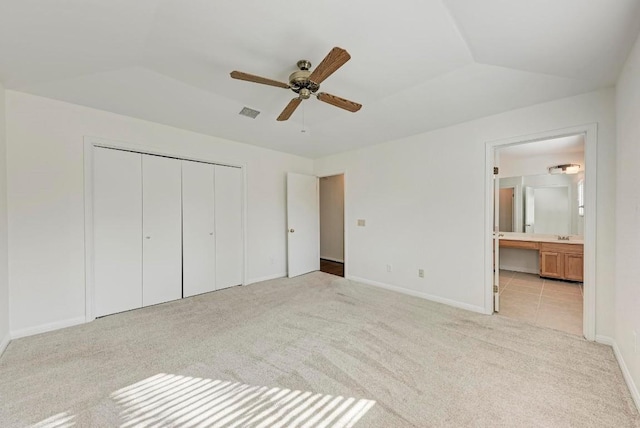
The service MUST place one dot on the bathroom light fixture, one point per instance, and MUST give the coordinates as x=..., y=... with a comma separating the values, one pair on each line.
x=567, y=168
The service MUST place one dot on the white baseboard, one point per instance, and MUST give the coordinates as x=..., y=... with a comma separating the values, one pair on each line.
x=426, y=296
x=30, y=331
x=4, y=343
x=331, y=259
x=265, y=278
x=626, y=374
x=519, y=269
x=605, y=340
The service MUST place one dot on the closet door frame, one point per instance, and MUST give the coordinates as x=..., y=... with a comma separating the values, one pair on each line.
x=89, y=144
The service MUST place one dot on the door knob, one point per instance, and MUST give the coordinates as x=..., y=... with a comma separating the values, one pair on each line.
x=291, y=230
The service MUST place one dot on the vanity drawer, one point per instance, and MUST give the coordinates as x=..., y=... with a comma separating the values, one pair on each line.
x=525, y=245
x=561, y=248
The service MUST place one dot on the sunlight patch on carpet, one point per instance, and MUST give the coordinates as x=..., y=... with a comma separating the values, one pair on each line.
x=190, y=401
x=61, y=420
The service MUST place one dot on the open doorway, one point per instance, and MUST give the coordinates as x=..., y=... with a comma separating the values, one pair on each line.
x=507, y=205
x=540, y=232
x=331, y=198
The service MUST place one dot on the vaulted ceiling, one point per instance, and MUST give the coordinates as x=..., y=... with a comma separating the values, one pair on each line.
x=416, y=65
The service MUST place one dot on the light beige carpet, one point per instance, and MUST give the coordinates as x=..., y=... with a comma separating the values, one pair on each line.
x=310, y=351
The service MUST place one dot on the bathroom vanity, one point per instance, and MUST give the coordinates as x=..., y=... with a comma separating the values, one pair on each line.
x=559, y=259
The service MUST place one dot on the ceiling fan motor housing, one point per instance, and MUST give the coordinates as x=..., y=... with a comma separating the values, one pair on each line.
x=299, y=80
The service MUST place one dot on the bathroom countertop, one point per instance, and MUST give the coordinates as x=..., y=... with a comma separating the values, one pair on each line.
x=534, y=237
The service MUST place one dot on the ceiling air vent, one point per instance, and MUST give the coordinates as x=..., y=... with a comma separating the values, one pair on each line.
x=249, y=112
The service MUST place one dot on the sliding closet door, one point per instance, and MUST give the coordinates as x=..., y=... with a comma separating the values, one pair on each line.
x=228, y=231
x=198, y=228
x=162, y=230
x=117, y=220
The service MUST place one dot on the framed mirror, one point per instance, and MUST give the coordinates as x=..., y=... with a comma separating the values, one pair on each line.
x=542, y=204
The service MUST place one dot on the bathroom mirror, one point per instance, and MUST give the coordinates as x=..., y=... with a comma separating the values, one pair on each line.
x=542, y=204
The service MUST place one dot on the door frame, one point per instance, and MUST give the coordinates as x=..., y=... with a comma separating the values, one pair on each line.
x=345, y=222
x=590, y=132
x=89, y=144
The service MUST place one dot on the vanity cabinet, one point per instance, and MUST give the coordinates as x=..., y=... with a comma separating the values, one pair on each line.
x=557, y=260
x=562, y=261
x=551, y=264
x=574, y=267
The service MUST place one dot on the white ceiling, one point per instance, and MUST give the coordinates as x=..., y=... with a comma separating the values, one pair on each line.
x=573, y=144
x=416, y=65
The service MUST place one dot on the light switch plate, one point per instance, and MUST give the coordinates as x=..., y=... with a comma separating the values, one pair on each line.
x=361, y=222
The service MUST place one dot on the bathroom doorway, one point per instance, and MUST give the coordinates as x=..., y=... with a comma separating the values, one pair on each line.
x=331, y=195
x=542, y=239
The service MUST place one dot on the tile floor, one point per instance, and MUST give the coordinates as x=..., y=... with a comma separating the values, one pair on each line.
x=544, y=302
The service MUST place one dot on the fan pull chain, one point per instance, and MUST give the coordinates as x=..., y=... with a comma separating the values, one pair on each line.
x=303, y=130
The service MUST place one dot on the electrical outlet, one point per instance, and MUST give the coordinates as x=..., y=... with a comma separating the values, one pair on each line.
x=421, y=273
x=389, y=268
x=361, y=222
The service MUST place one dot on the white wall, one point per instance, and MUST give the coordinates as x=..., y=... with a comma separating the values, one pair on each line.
x=46, y=206
x=627, y=299
x=4, y=283
x=424, y=199
x=332, y=218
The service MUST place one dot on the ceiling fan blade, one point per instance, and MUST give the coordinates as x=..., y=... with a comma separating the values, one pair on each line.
x=257, y=79
x=289, y=109
x=333, y=61
x=339, y=102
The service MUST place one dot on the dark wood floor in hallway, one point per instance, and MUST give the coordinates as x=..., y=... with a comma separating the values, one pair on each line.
x=334, y=268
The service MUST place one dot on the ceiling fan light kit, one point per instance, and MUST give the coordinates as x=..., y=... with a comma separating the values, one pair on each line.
x=306, y=83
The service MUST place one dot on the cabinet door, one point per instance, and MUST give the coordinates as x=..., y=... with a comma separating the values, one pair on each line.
x=228, y=214
x=117, y=230
x=551, y=264
x=198, y=241
x=162, y=230
x=573, y=267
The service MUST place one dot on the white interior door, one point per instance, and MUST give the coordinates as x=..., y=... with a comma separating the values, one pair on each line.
x=198, y=227
x=162, y=230
x=228, y=230
x=117, y=220
x=303, y=221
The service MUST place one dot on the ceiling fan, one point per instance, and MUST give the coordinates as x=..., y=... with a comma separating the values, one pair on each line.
x=306, y=83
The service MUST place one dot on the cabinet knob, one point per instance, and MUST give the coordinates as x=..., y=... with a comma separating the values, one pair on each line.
x=147, y=237
x=211, y=233
x=291, y=230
